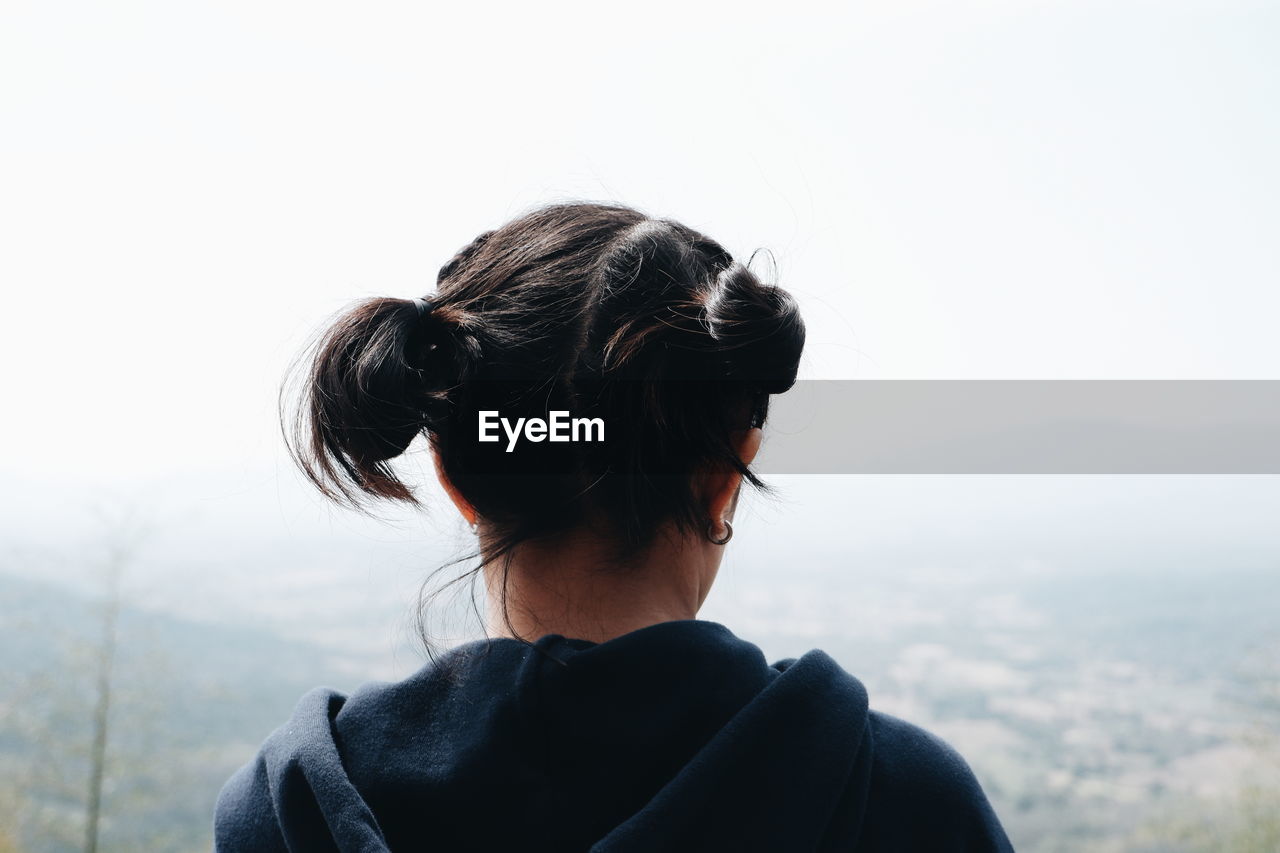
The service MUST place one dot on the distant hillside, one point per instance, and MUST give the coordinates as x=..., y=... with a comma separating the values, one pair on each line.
x=191, y=702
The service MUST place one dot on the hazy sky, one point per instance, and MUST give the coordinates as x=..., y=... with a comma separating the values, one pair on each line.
x=952, y=189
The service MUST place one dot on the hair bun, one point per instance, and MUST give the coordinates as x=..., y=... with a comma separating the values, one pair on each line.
x=757, y=327
x=379, y=377
x=443, y=345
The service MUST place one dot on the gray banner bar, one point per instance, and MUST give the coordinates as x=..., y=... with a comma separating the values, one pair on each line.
x=1024, y=427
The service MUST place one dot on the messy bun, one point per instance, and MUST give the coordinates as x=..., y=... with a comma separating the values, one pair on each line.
x=378, y=377
x=671, y=296
x=757, y=326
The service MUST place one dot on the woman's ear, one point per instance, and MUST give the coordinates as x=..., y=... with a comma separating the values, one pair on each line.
x=465, y=509
x=723, y=488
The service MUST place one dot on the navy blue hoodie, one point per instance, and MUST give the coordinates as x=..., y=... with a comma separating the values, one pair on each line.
x=678, y=736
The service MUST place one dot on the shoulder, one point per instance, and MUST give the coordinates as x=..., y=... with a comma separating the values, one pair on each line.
x=304, y=769
x=909, y=755
x=914, y=791
x=243, y=817
x=249, y=806
x=918, y=780
x=282, y=799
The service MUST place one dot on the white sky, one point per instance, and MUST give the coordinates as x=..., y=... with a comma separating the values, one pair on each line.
x=952, y=189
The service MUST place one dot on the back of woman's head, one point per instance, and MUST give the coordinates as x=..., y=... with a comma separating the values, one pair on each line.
x=591, y=309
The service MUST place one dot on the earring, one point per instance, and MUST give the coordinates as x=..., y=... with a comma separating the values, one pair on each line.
x=711, y=532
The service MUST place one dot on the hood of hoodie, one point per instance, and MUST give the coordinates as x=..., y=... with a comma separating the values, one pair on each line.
x=678, y=736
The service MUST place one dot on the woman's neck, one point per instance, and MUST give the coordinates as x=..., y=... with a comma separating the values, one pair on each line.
x=574, y=587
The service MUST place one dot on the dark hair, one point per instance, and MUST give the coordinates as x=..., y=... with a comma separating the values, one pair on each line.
x=592, y=308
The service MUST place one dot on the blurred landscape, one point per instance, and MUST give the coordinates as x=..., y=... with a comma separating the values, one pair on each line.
x=1104, y=651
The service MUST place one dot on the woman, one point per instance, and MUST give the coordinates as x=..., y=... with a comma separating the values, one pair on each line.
x=600, y=714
